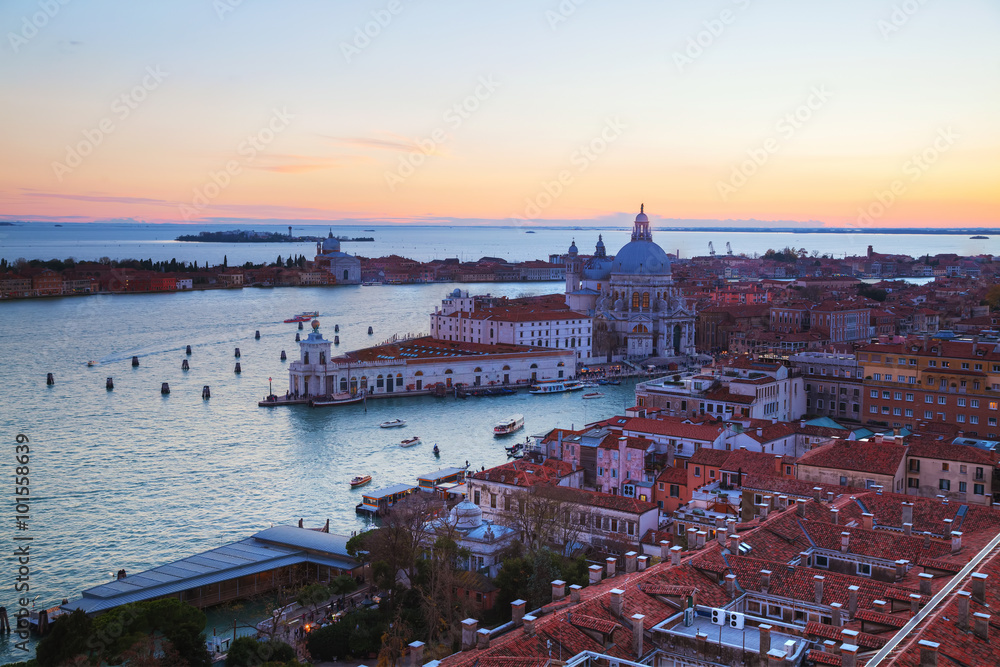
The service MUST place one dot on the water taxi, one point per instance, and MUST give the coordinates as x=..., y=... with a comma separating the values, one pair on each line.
x=409, y=442
x=360, y=480
x=594, y=394
x=336, y=399
x=509, y=425
x=298, y=318
x=555, y=386
x=392, y=423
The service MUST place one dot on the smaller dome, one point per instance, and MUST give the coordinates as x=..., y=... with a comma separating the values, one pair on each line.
x=467, y=515
x=573, y=249
x=642, y=214
x=331, y=244
x=456, y=293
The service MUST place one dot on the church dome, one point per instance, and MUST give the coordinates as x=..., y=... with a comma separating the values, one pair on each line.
x=467, y=515
x=641, y=258
x=573, y=249
x=331, y=244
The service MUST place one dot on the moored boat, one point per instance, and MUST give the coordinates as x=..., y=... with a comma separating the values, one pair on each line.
x=509, y=425
x=336, y=399
x=594, y=394
x=360, y=480
x=555, y=386
x=409, y=442
x=392, y=423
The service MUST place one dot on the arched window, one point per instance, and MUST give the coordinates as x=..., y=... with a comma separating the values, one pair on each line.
x=635, y=299
x=305, y=357
x=640, y=328
x=447, y=371
x=478, y=370
x=379, y=382
x=345, y=274
x=506, y=368
x=559, y=364
x=343, y=384
x=419, y=373
x=399, y=379
x=364, y=381
x=533, y=366
x=645, y=299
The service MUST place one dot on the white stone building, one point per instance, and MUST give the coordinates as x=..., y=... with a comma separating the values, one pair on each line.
x=345, y=269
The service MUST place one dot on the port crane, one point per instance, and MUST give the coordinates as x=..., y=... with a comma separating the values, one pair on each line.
x=711, y=249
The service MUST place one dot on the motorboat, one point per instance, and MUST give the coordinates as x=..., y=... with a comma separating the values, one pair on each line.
x=360, y=480
x=298, y=318
x=509, y=425
x=336, y=399
x=309, y=313
x=555, y=386
x=91, y=363
x=437, y=452
x=392, y=423
x=409, y=442
x=590, y=385
x=594, y=394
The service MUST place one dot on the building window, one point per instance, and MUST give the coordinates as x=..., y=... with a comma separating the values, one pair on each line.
x=978, y=489
x=914, y=465
x=697, y=471
x=865, y=569
x=675, y=491
x=909, y=397
x=821, y=561
x=475, y=496
x=913, y=483
x=944, y=485
x=945, y=467
x=962, y=487
x=942, y=400
x=843, y=480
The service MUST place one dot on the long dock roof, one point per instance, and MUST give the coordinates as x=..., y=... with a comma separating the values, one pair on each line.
x=267, y=550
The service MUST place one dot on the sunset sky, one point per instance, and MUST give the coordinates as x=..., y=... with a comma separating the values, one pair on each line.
x=857, y=112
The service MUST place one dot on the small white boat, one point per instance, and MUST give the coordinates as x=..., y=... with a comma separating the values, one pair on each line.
x=594, y=394
x=409, y=442
x=509, y=425
x=360, y=480
x=392, y=423
x=555, y=386
x=91, y=363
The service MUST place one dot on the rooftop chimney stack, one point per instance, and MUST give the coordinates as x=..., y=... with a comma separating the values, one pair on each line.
x=901, y=568
x=845, y=540
x=836, y=614
x=642, y=562
x=617, y=602
x=637, y=632
x=664, y=549
x=925, y=583
x=928, y=653
x=981, y=627
x=558, y=590
x=675, y=555
x=914, y=603
x=529, y=624
x=818, y=494
x=469, y=628
x=700, y=538
x=801, y=502
x=848, y=655
x=963, y=609
x=595, y=574
x=907, y=529
x=517, y=612
x=609, y=565
x=416, y=654
x=734, y=544
x=482, y=639
x=731, y=585
x=956, y=541
x=867, y=521
x=907, y=512
x=765, y=581
x=765, y=638
x=818, y=588
x=979, y=587
x=630, y=558
x=852, y=600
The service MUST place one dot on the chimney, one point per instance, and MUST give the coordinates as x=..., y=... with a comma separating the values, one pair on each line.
x=734, y=544
x=852, y=600
x=834, y=516
x=765, y=638
x=829, y=496
x=901, y=568
x=907, y=529
x=881, y=606
x=664, y=549
x=482, y=639
x=845, y=540
x=574, y=592
x=637, y=631
x=802, y=423
x=760, y=432
x=782, y=502
x=630, y=557
x=804, y=559
x=878, y=439
x=675, y=555
x=817, y=494
x=802, y=506
x=836, y=614
x=775, y=658
x=981, y=626
x=642, y=562
x=925, y=583
x=907, y=512
x=818, y=588
x=469, y=628
x=963, y=609
x=595, y=574
x=731, y=585
x=416, y=654
x=848, y=655
x=529, y=624
x=617, y=602
x=730, y=526
x=517, y=612
x=720, y=536
x=867, y=521
x=956, y=541
x=762, y=510
x=692, y=538
x=979, y=587
x=558, y=590
x=914, y=603
x=700, y=538
x=765, y=581
x=928, y=653
x=609, y=566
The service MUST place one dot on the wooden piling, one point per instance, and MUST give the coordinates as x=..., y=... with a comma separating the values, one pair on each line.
x=50, y=379
x=237, y=353
x=256, y=335
x=300, y=326
x=336, y=328
x=164, y=388
x=188, y=350
x=283, y=356
x=4, y=621
x=185, y=366
x=206, y=393
x=297, y=338
x=370, y=331
x=109, y=384
x=238, y=369
x=336, y=340
x=135, y=362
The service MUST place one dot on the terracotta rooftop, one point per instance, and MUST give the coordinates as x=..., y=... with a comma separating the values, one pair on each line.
x=878, y=458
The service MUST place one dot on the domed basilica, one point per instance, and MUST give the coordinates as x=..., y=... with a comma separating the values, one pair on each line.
x=631, y=296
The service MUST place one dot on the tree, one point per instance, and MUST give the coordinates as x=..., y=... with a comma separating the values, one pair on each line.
x=543, y=515
x=225, y=261
x=249, y=652
x=342, y=585
x=992, y=297
x=312, y=595
x=68, y=639
x=396, y=545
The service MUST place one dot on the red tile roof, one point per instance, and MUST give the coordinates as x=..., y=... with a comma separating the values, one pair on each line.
x=673, y=427
x=882, y=459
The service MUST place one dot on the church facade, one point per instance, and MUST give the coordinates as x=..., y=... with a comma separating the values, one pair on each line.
x=637, y=311
x=345, y=268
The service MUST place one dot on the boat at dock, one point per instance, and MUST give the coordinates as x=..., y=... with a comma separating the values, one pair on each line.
x=594, y=394
x=409, y=442
x=392, y=423
x=555, y=386
x=336, y=399
x=360, y=480
x=509, y=425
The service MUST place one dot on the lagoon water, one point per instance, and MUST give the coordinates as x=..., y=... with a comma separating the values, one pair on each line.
x=132, y=479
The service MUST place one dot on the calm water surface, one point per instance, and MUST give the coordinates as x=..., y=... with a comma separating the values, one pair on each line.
x=132, y=479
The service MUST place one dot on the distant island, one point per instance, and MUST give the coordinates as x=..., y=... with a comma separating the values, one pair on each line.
x=242, y=236
x=6, y=224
